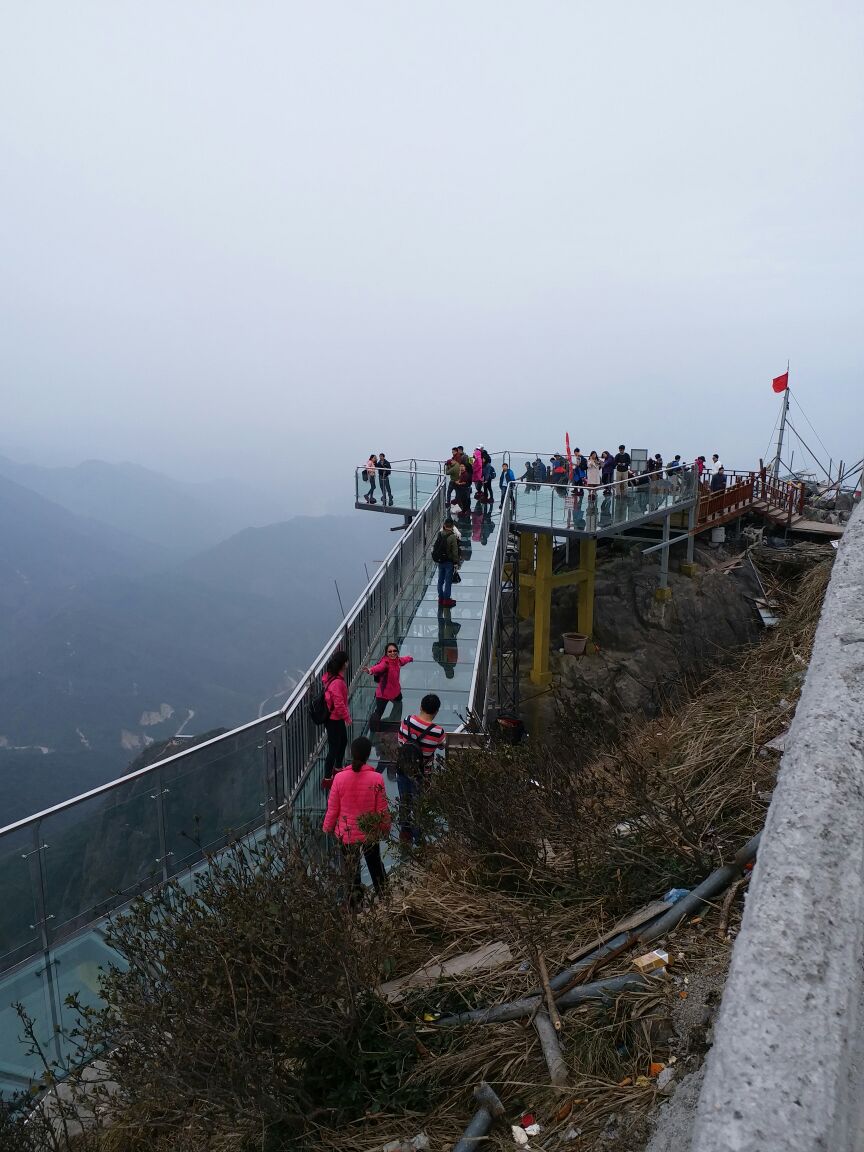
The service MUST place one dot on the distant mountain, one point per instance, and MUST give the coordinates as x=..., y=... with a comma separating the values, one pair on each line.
x=45, y=549
x=296, y=562
x=105, y=647
x=147, y=504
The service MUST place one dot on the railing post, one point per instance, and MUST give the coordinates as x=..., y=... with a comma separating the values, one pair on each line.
x=40, y=892
x=157, y=796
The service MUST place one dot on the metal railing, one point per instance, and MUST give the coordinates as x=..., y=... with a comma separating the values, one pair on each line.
x=602, y=510
x=358, y=635
x=478, y=695
x=410, y=486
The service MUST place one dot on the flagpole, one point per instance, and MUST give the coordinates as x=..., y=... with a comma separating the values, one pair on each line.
x=776, y=468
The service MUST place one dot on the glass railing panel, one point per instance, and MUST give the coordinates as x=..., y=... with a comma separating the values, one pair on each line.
x=99, y=853
x=77, y=968
x=426, y=483
x=215, y=793
x=19, y=934
x=401, y=489
x=607, y=508
x=29, y=986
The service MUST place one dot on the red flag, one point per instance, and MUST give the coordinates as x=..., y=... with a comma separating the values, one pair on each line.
x=569, y=458
x=781, y=383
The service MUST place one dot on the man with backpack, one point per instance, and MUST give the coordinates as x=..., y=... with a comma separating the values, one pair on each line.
x=445, y=553
x=419, y=739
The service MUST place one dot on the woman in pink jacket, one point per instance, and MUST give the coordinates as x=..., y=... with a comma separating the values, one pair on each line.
x=477, y=472
x=336, y=696
x=357, y=813
x=387, y=685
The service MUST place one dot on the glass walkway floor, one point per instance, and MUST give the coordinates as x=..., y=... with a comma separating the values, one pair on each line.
x=443, y=641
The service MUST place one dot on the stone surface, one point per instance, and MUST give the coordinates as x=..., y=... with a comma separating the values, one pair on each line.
x=674, y=1123
x=786, y=1067
x=647, y=648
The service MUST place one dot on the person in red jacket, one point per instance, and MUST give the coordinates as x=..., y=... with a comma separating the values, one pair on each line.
x=388, y=687
x=357, y=813
x=336, y=697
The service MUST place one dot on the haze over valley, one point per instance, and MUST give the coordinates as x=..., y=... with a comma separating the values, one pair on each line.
x=165, y=613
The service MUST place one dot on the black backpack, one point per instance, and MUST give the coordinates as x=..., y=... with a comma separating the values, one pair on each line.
x=439, y=549
x=319, y=713
x=409, y=761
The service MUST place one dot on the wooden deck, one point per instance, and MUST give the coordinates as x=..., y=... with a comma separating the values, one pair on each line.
x=778, y=501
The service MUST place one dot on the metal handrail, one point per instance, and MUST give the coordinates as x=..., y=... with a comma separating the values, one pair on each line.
x=478, y=693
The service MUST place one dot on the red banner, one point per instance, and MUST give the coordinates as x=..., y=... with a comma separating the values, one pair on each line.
x=780, y=383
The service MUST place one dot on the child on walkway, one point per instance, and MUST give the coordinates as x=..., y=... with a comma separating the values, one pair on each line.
x=358, y=815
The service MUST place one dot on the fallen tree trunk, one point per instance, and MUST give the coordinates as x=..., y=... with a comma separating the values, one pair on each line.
x=490, y=1108
x=516, y=1009
x=719, y=879
x=717, y=882
x=552, y=1054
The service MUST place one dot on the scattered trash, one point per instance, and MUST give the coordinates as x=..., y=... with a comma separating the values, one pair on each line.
x=683, y=994
x=627, y=1080
x=418, y=1143
x=525, y=966
x=652, y=961
x=665, y=1078
x=655, y=1068
x=431, y=1017
x=624, y=829
x=533, y=1130
x=520, y=1136
x=564, y=1111
x=675, y=894
x=642, y=1081
x=528, y=1119
x=572, y=1134
x=778, y=744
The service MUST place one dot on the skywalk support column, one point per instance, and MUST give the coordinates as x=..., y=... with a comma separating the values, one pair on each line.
x=664, y=592
x=540, y=674
x=688, y=567
x=526, y=568
x=587, y=568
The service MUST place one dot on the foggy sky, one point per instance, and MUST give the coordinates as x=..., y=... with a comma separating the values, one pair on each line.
x=263, y=239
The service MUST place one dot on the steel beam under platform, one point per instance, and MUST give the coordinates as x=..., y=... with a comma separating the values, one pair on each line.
x=538, y=581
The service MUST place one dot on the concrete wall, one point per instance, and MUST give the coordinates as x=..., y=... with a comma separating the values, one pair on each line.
x=787, y=1068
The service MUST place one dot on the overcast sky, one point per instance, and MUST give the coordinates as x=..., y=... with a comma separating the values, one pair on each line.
x=263, y=239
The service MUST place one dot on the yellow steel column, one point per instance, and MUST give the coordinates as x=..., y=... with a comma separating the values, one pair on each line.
x=588, y=565
x=542, y=610
x=526, y=568
x=526, y=551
